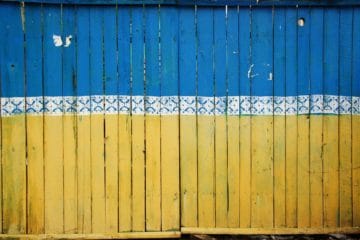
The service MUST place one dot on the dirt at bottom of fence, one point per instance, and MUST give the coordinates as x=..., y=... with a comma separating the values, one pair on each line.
x=273, y=237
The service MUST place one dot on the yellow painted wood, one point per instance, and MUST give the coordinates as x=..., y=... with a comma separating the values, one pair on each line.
x=84, y=176
x=291, y=171
x=125, y=191
x=331, y=171
x=303, y=191
x=111, y=160
x=70, y=174
x=245, y=171
x=221, y=166
x=97, y=173
x=138, y=174
x=345, y=171
x=188, y=170
x=316, y=163
x=234, y=171
x=153, y=173
x=35, y=180
x=14, y=174
x=262, y=171
x=170, y=183
x=356, y=169
x=206, y=186
x=1, y=194
x=279, y=171
x=53, y=160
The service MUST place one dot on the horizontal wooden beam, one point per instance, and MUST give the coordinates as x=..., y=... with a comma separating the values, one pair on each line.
x=253, y=3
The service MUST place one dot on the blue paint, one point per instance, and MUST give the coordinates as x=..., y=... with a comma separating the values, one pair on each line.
x=233, y=52
x=220, y=52
x=244, y=50
x=291, y=52
x=124, y=15
x=356, y=54
x=279, y=51
x=303, y=60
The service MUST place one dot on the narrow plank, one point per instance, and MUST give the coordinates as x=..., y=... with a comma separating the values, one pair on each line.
x=124, y=120
x=111, y=119
x=13, y=151
x=53, y=125
x=262, y=126
x=170, y=178
x=138, y=128
x=233, y=121
x=221, y=147
x=34, y=127
x=245, y=121
x=331, y=122
x=152, y=122
x=316, y=121
x=188, y=131
x=205, y=118
x=96, y=88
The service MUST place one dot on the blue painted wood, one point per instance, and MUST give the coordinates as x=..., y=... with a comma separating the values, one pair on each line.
x=303, y=61
x=93, y=39
x=124, y=50
x=233, y=52
x=220, y=53
x=291, y=52
x=279, y=52
x=137, y=61
x=356, y=54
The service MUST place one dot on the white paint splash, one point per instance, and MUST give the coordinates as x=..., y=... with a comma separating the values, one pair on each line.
x=57, y=40
x=250, y=70
x=270, y=76
x=68, y=41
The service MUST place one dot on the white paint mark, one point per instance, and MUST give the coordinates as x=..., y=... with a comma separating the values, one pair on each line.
x=250, y=70
x=270, y=76
x=57, y=40
x=68, y=41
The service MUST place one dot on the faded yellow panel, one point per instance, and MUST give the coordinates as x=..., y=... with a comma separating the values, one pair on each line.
x=1, y=194
x=53, y=160
x=170, y=182
x=262, y=171
x=188, y=170
x=35, y=153
x=356, y=169
x=125, y=197
x=97, y=173
x=331, y=171
x=316, y=173
x=345, y=170
x=303, y=204
x=279, y=171
x=221, y=166
x=153, y=164
x=206, y=186
x=70, y=182
x=14, y=174
x=234, y=171
x=245, y=171
x=138, y=174
x=111, y=160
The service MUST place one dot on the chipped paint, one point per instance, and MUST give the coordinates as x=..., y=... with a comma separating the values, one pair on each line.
x=68, y=41
x=250, y=70
x=57, y=40
x=270, y=76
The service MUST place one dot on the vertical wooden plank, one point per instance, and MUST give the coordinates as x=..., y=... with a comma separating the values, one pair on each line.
x=94, y=16
x=111, y=119
x=346, y=18
x=221, y=151
x=138, y=128
x=316, y=120
x=205, y=120
x=69, y=119
x=170, y=182
x=152, y=121
x=233, y=118
x=331, y=122
x=53, y=125
x=188, y=131
x=262, y=126
x=303, y=103
x=124, y=15
x=291, y=118
x=34, y=121
x=13, y=127
x=83, y=122
x=245, y=119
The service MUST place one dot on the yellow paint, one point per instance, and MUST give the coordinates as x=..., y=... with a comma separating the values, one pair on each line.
x=221, y=166
x=111, y=160
x=262, y=171
x=188, y=170
x=70, y=174
x=1, y=194
x=125, y=190
x=53, y=161
x=279, y=171
x=14, y=174
x=233, y=171
x=170, y=182
x=97, y=173
x=35, y=151
x=206, y=186
x=356, y=169
x=153, y=167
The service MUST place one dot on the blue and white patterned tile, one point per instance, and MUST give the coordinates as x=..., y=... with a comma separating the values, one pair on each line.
x=220, y=105
x=169, y=105
x=124, y=104
x=111, y=104
x=152, y=105
x=187, y=105
x=34, y=105
x=137, y=105
x=233, y=105
x=205, y=106
x=12, y=106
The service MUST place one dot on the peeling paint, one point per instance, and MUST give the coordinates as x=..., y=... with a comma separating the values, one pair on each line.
x=68, y=41
x=250, y=70
x=270, y=76
x=57, y=40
